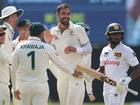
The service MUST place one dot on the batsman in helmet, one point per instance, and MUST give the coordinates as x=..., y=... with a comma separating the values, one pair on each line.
x=115, y=60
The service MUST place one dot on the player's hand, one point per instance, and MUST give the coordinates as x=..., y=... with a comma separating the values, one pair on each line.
x=91, y=97
x=70, y=49
x=17, y=94
x=48, y=37
x=78, y=74
x=123, y=84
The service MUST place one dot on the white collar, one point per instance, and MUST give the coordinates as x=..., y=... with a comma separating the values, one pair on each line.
x=34, y=38
x=71, y=26
x=9, y=26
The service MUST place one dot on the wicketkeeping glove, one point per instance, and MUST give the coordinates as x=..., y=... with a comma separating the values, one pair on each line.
x=123, y=84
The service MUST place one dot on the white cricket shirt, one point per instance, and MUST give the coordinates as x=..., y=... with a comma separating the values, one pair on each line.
x=31, y=59
x=74, y=36
x=117, y=61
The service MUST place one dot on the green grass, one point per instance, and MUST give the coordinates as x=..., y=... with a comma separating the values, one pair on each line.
x=93, y=103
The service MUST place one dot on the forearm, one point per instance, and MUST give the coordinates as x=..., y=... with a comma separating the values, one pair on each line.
x=87, y=48
x=135, y=73
x=89, y=87
x=61, y=64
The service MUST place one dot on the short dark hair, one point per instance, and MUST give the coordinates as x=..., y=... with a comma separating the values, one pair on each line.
x=62, y=6
x=24, y=22
x=36, y=28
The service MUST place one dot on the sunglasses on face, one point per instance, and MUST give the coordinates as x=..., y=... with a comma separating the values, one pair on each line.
x=2, y=33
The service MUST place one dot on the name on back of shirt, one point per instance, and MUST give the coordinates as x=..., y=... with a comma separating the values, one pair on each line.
x=32, y=46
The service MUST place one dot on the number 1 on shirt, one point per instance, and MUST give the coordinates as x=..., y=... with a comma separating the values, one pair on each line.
x=32, y=54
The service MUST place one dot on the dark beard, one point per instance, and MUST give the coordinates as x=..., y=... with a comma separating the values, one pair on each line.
x=114, y=43
x=64, y=22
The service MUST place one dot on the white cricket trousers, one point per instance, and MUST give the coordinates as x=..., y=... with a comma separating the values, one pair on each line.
x=4, y=94
x=70, y=91
x=115, y=98
x=34, y=93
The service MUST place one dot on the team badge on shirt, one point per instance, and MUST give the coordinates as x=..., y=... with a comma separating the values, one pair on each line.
x=71, y=33
x=118, y=55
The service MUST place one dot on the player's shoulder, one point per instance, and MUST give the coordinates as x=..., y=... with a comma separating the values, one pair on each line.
x=54, y=28
x=126, y=47
x=106, y=47
x=23, y=42
x=77, y=27
x=48, y=47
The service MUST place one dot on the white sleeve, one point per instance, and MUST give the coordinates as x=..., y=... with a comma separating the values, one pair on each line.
x=89, y=87
x=87, y=48
x=82, y=35
x=131, y=57
x=5, y=57
x=58, y=61
x=15, y=64
x=53, y=68
x=101, y=59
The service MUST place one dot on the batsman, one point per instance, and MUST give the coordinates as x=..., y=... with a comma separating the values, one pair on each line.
x=115, y=60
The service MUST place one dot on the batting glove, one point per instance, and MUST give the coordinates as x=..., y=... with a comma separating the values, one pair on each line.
x=123, y=84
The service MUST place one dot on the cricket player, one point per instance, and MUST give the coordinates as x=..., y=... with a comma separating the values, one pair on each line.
x=72, y=44
x=31, y=60
x=5, y=60
x=88, y=79
x=10, y=16
x=23, y=29
x=115, y=60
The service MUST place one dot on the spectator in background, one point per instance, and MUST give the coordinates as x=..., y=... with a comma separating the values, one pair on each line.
x=133, y=22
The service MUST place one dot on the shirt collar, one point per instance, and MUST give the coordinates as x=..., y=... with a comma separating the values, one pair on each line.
x=116, y=46
x=71, y=26
x=9, y=26
x=34, y=38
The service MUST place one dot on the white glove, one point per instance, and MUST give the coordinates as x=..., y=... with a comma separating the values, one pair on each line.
x=123, y=84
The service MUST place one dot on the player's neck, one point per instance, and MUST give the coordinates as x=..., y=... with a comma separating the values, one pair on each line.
x=63, y=27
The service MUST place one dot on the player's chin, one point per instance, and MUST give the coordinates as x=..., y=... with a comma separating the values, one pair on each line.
x=65, y=22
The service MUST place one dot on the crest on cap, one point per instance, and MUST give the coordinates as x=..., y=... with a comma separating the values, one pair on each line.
x=116, y=27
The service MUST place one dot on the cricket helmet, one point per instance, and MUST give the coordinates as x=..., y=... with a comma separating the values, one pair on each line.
x=113, y=28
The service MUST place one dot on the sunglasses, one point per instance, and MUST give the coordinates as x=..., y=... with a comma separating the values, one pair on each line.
x=2, y=33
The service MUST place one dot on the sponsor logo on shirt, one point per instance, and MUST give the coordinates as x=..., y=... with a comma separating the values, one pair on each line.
x=111, y=62
x=106, y=54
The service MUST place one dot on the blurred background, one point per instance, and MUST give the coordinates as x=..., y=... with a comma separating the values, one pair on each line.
x=97, y=14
